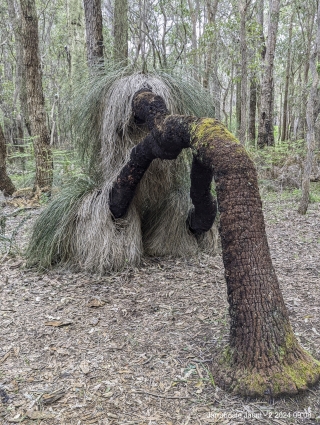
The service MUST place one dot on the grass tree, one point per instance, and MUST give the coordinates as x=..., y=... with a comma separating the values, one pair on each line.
x=77, y=229
x=264, y=356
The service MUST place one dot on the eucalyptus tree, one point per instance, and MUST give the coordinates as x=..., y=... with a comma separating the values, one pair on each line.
x=94, y=36
x=6, y=184
x=35, y=98
x=266, y=119
x=120, y=32
x=313, y=110
x=243, y=11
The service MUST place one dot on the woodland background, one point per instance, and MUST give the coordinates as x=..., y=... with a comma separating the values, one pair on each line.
x=134, y=347
x=259, y=60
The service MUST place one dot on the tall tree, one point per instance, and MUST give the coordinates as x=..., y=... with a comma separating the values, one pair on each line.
x=120, y=32
x=312, y=115
x=6, y=184
x=94, y=37
x=243, y=10
x=254, y=82
x=35, y=102
x=265, y=132
x=285, y=132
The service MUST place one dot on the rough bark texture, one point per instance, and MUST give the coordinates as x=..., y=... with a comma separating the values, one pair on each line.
x=243, y=10
x=311, y=117
x=36, y=106
x=94, y=37
x=263, y=357
x=265, y=132
x=6, y=184
x=252, y=108
x=120, y=32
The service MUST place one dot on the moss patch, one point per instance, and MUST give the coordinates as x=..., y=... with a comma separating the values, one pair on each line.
x=282, y=379
x=208, y=129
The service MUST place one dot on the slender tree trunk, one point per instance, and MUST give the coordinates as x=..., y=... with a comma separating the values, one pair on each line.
x=238, y=99
x=243, y=9
x=211, y=63
x=194, y=13
x=264, y=356
x=285, y=132
x=94, y=37
x=120, y=29
x=36, y=106
x=6, y=184
x=312, y=115
x=265, y=132
x=252, y=108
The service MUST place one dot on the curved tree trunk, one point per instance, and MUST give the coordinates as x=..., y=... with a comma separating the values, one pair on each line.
x=263, y=356
x=6, y=184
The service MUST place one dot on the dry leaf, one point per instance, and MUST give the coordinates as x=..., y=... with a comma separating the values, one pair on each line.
x=112, y=415
x=52, y=397
x=36, y=415
x=95, y=303
x=16, y=351
x=57, y=323
x=4, y=358
x=107, y=395
x=84, y=366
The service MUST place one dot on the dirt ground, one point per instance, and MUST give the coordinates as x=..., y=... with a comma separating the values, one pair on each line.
x=136, y=347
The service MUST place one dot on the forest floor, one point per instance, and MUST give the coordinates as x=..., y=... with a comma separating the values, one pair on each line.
x=136, y=347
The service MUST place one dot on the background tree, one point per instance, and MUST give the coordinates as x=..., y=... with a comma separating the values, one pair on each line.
x=266, y=129
x=120, y=30
x=94, y=36
x=6, y=184
x=312, y=115
x=35, y=102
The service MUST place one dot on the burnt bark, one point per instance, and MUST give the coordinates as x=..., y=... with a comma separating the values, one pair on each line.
x=263, y=356
x=202, y=216
x=6, y=184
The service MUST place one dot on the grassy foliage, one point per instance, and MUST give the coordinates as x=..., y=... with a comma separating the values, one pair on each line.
x=51, y=237
x=77, y=227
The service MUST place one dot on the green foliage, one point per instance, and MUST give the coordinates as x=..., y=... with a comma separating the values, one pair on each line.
x=278, y=154
x=22, y=170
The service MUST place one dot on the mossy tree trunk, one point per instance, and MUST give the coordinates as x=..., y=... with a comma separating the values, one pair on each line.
x=263, y=356
x=6, y=184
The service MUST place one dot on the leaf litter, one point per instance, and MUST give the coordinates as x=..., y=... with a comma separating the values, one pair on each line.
x=136, y=347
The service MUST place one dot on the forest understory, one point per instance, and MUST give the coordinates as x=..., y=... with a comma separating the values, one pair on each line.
x=136, y=347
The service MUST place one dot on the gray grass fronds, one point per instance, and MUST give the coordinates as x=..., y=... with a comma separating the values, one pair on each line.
x=77, y=228
x=101, y=243
x=51, y=239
